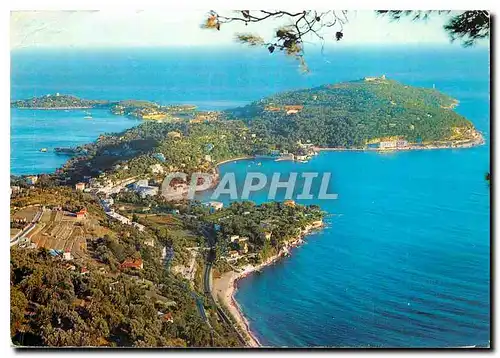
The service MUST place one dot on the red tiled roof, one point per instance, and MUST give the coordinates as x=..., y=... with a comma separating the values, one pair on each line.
x=132, y=263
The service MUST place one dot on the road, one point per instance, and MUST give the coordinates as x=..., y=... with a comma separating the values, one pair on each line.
x=209, y=234
x=27, y=229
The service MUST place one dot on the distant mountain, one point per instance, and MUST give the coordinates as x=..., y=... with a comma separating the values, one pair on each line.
x=358, y=112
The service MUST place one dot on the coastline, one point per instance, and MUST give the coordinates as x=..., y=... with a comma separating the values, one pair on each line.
x=477, y=141
x=55, y=108
x=224, y=288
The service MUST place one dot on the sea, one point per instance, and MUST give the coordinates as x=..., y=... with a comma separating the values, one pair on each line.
x=404, y=258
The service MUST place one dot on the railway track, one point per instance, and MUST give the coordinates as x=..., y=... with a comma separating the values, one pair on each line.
x=211, y=255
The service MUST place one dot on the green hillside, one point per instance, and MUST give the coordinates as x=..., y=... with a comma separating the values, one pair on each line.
x=353, y=113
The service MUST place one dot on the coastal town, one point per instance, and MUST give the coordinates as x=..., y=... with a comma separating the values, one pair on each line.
x=106, y=218
x=73, y=235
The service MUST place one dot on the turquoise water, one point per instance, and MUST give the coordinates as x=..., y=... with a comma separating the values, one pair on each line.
x=404, y=259
x=32, y=130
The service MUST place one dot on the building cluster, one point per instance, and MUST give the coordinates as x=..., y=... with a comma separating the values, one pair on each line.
x=372, y=79
x=207, y=116
x=157, y=169
x=136, y=264
x=288, y=109
x=81, y=214
x=159, y=156
x=307, y=151
x=124, y=220
x=143, y=188
x=214, y=205
x=389, y=144
x=32, y=179
x=241, y=247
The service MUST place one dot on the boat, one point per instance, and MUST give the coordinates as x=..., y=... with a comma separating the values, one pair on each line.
x=87, y=117
x=43, y=150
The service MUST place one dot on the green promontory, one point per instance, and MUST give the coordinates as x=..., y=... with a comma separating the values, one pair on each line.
x=58, y=101
x=352, y=114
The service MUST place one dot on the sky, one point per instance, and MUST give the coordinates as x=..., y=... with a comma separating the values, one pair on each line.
x=130, y=28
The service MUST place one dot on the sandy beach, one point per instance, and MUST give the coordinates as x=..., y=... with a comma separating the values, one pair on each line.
x=224, y=288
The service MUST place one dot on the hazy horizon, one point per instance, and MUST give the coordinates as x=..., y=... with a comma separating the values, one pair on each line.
x=126, y=28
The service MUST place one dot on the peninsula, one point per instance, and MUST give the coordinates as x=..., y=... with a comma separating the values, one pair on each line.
x=98, y=226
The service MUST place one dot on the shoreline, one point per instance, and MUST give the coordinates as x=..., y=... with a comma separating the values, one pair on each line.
x=460, y=145
x=55, y=108
x=224, y=288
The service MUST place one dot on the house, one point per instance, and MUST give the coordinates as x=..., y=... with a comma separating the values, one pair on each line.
x=272, y=108
x=81, y=214
x=132, y=263
x=292, y=109
x=84, y=271
x=150, y=242
x=156, y=169
x=371, y=79
x=159, y=156
x=387, y=144
x=208, y=158
x=234, y=238
x=216, y=205
x=138, y=226
x=401, y=143
x=80, y=186
x=144, y=191
x=167, y=317
x=267, y=235
x=107, y=203
x=290, y=203
x=67, y=255
x=32, y=179
x=142, y=182
x=234, y=254
x=70, y=267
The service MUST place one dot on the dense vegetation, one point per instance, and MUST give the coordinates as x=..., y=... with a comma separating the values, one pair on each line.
x=283, y=222
x=58, y=101
x=350, y=114
x=353, y=113
x=133, y=108
x=54, y=303
x=51, y=305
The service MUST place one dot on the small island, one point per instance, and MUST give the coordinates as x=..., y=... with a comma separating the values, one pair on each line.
x=59, y=101
x=132, y=108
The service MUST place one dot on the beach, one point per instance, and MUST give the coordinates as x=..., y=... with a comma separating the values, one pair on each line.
x=225, y=287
